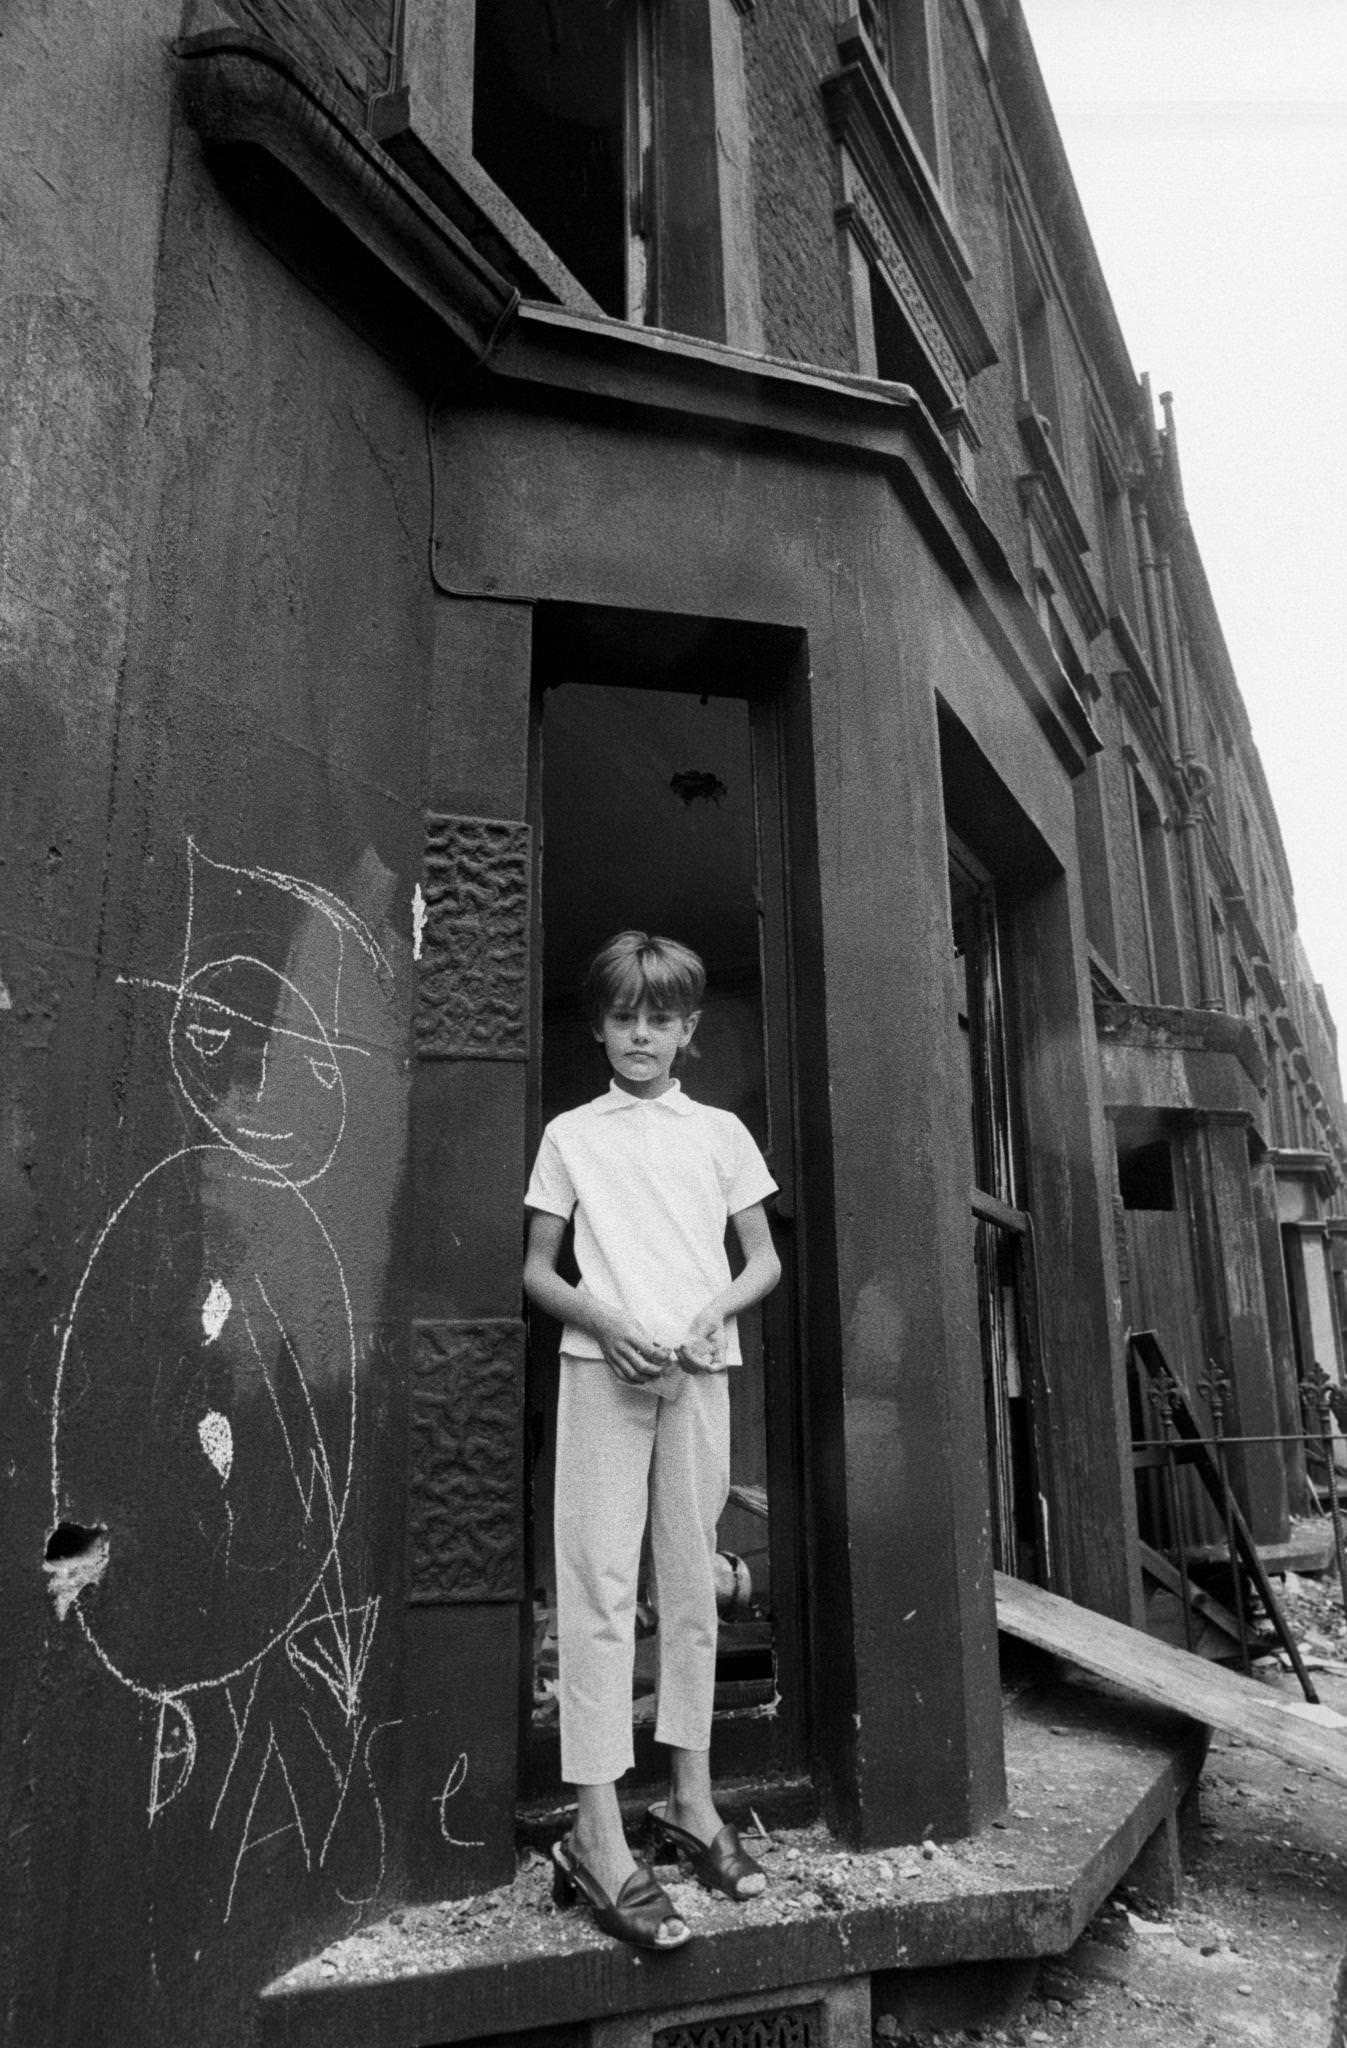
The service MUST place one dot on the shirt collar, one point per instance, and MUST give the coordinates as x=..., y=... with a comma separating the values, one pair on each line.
x=619, y=1098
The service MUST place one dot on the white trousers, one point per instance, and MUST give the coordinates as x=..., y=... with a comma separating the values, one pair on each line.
x=620, y=1452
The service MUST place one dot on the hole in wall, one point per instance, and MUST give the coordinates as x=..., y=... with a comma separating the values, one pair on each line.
x=75, y=1557
x=71, y=1539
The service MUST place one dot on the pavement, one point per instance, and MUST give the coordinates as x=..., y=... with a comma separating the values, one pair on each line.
x=1253, y=1950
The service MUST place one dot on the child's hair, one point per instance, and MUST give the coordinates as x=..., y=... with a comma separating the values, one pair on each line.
x=635, y=964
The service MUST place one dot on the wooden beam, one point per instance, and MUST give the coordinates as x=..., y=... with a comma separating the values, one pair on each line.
x=1312, y=1736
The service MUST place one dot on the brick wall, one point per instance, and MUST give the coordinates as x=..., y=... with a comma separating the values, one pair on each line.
x=789, y=48
x=978, y=207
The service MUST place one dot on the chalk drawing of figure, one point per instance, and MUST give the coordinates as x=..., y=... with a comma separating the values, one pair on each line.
x=205, y=1404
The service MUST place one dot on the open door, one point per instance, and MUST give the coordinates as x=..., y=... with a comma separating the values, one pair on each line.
x=657, y=794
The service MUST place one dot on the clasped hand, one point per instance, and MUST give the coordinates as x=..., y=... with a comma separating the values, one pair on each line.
x=634, y=1357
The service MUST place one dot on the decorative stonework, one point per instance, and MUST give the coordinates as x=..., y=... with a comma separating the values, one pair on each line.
x=472, y=992
x=866, y=219
x=465, y=1510
x=892, y=206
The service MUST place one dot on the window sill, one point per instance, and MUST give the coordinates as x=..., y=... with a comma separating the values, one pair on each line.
x=475, y=203
x=338, y=206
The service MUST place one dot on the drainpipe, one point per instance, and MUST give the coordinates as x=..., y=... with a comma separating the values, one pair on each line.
x=1151, y=598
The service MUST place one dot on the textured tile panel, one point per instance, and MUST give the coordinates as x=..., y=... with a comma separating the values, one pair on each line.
x=465, y=1508
x=472, y=993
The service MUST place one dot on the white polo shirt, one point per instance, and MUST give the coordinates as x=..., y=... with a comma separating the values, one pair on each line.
x=652, y=1184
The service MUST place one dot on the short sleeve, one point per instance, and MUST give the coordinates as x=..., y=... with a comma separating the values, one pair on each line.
x=550, y=1187
x=749, y=1179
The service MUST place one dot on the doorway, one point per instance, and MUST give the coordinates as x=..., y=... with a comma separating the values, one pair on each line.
x=1002, y=1228
x=658, y=799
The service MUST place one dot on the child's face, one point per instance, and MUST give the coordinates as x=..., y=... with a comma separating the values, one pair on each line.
x=642, y=1042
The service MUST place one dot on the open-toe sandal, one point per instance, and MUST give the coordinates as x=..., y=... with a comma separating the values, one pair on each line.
x=721, y=1865
x=636, y=1915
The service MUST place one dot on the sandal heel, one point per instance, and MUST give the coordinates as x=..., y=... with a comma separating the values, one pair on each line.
x=563, y=1885
x=658, y=1848
x=722, y=1865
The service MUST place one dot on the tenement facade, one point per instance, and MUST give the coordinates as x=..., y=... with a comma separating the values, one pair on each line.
x=478, y=477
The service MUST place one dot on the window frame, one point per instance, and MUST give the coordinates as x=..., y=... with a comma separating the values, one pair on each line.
x=905, y=38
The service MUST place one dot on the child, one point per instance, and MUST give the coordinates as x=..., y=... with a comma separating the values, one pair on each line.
x=651, y=1178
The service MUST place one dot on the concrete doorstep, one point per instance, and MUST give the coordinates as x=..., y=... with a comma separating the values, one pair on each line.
x=1094, y=1780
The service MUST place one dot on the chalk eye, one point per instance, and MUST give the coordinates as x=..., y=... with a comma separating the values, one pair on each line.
x=209, y=1040
x=326, y=1071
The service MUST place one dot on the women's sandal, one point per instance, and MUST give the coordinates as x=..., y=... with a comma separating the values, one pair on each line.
x=721, y=1865
x=636, y=1915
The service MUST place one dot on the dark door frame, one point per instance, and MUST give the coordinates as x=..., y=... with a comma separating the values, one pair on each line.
x=769, y=1745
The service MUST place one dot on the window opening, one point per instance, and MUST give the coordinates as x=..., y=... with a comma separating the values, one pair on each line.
x=899, y=356
x=1089, y=797
x=1033, y=335
x=1157, y=897
x=1116, y=534
x=901, y=34
x=1002, y=1242
x=1219, y=951
x=563, y=121
x=1146, y=1175
x=1162, y=1292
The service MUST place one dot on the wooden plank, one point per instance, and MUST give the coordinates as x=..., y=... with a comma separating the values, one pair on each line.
x=1173, y=1678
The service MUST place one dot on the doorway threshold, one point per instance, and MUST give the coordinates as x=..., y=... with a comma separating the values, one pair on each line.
x=1092, y=1779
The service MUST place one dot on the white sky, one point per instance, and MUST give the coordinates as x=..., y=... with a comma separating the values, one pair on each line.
x=1209, y=144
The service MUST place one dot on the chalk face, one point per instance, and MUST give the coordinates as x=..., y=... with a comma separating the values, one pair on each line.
x=205, y=1404
x=254, y=1059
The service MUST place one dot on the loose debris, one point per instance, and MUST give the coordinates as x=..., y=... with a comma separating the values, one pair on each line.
x=808, y=1874
x=1250, y=1955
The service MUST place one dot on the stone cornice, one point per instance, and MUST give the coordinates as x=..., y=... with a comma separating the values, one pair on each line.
x=716, y=391
x=862, y=215
x=1151, y=1027
x=1293, y=1163
x=868, y=121
x=342, y=212
x=303, y=165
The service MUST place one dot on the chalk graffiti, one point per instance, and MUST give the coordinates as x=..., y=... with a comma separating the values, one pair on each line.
x=215, y=1310
x=206, y=1392
x=174, y=1757
x=453, y=1785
